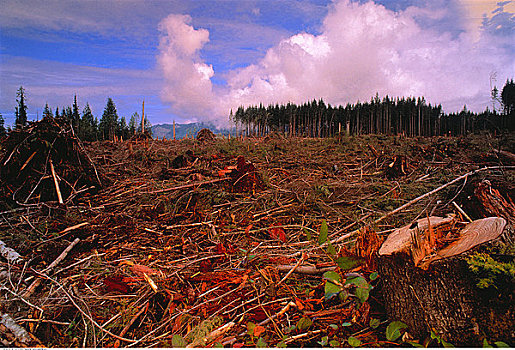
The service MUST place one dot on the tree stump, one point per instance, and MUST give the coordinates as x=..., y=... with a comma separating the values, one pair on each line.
x=433, y=289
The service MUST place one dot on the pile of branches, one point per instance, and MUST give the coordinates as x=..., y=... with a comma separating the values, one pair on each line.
x=238, y=243
x=45, y=161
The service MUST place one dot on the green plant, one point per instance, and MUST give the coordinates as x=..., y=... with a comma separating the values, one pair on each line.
x=351, y=285
x=393, y=331
x=490, y=272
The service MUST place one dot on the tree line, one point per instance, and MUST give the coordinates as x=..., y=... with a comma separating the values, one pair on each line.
x=85, y=125
x=392, y=116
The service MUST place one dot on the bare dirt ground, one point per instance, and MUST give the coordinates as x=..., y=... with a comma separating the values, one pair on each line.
x=188, y=243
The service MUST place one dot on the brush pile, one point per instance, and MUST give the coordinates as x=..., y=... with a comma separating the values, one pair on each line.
x=241, y=242
x=43, y=159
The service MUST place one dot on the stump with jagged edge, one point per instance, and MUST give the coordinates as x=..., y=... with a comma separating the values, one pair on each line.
x=439, y=292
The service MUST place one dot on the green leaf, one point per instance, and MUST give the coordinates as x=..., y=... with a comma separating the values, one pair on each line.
x=393, y=331
x=374, y=275
x=178, y=341
x=330, y=250
x=485, y=344
x=331, y=289
x=250, y=328
x=334, y=343
x=332, y=276
x=322, y=237
x=281, y=344
x=308, y=234
x=218, y=345
x=362, y=294
x=333, y=326
x=261, y=343
x=323, y=341
x=346, y=324
x=415, y=344
x=358, y=282
x=354, y=342
x=347, y=262
x=344, y=295
x=304, y=323
x=447, y=345
x=374, y=323
x=501, y=344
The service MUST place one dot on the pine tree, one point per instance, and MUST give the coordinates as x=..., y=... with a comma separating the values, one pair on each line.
x=47, y=112
x=109, y=121
x=21, y=109
x=75, y=115
x=87, y=125
x=133, y=122
x=3, y=132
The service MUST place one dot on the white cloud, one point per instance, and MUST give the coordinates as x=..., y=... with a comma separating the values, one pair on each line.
x=363, y=48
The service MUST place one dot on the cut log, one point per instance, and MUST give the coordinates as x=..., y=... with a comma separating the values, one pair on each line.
x=438, y=292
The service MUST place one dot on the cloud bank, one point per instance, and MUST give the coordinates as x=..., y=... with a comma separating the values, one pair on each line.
x=362, y=49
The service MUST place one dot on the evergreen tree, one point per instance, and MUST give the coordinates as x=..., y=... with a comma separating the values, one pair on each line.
x=47, y=112
x=67, y=113
x=3, y=132
x=57, y=112
x=508, y=97
x=109, y=121
x=123, y=129
x=21, y=109
x=87, y=125
x=75, y=115
x=133, y=122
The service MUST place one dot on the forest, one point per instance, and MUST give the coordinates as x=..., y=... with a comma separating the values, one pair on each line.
x=86, y=126
x=390, y=116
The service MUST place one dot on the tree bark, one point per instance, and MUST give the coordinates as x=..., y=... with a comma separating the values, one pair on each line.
x=439, y=292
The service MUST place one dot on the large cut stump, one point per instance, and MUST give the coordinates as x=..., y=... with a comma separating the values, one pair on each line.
x=429, y=284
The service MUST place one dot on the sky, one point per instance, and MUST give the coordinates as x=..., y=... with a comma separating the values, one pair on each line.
x=196, y=60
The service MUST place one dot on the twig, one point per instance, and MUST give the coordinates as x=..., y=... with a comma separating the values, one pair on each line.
x=461, y=211
x=84, y=313
x=65, y=232
x=306, y=270
x=413, y=201
x=131, y=322
x=301, y=260
x=195, y=184
x=60, y=258
x=56, y=183
x=213, y=335
x=10, y=254
x=22, y=299
x=19, y=332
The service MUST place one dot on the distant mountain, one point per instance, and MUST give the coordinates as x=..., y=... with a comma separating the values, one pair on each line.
x=181, y=130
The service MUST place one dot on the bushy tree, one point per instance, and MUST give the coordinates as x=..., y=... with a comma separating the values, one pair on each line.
x=21, y=109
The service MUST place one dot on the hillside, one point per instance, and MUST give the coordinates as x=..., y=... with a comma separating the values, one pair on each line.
x=181, y=130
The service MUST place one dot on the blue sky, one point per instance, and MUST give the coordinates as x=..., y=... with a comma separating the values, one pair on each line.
x=195, y=60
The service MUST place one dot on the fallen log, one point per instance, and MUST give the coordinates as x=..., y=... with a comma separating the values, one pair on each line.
x=439, y=292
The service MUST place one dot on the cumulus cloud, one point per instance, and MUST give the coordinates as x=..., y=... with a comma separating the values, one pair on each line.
x=188, y=85
x=362, y=49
